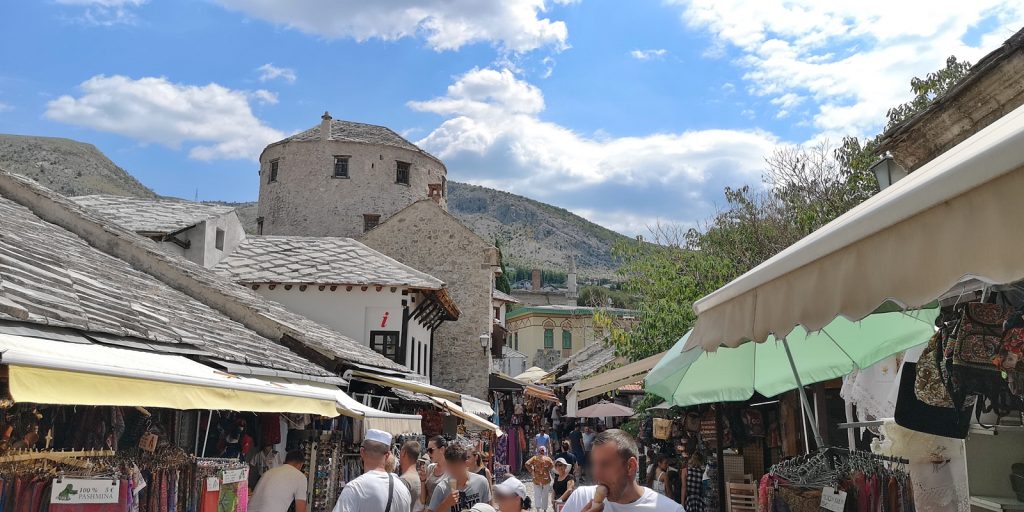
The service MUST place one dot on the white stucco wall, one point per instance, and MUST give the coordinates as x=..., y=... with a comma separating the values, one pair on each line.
x=356, y=313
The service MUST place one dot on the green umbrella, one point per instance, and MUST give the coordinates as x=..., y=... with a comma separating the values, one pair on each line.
x=734, y=374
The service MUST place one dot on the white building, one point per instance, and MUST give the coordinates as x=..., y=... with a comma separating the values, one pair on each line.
x=343, y=284
x=200, y=232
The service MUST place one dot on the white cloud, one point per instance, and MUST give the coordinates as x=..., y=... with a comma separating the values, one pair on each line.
x=648, y=54
x=269, y=71
x=105, y=12
x=218, y=122
x=4, y=107
x=853, y=60
x=493, y=135
x=515, y=25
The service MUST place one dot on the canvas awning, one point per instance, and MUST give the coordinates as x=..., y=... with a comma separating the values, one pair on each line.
x=406, y=384
x=953, y=218
x=501, y=382
x=476, y=406
x=380, y=420
x=56, y=372
x=542, y=393
x=613, y=379
x=473, y=419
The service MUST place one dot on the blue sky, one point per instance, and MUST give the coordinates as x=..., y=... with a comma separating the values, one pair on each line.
x=626, y=113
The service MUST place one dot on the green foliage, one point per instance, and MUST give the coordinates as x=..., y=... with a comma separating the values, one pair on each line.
x=927, y=89
x=598, y=296
x=502, y=283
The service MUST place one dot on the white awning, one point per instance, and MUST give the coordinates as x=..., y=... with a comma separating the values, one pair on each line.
x=406, y=384
x=614, y=379
x=954, y=218
x=381, y=420
x=55, y=372
x=476, y=406
x=476, y=421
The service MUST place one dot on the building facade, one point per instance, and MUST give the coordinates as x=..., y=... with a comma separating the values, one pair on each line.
x=549, y=334
x=342, y=179
x=387, y=306
x=426, y=237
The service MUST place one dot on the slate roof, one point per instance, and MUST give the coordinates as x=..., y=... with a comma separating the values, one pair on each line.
x=152, y=215
x=315, y=260
x=63, y=291
x=586, y=362
x=504, y=297
x=358, y=132
x=50, y=276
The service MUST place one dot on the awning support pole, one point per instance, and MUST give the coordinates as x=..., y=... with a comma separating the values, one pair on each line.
x=206, y=438
x=803, y=397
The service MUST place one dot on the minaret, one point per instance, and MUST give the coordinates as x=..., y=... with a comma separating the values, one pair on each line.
x=572, y=293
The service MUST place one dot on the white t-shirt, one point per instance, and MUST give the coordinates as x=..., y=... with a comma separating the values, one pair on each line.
x=277, y=489
x=650, y=501
x=369, y=493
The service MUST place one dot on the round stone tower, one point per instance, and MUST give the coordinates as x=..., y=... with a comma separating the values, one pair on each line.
x=343, y=178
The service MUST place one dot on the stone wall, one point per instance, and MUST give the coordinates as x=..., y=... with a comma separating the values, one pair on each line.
x=307, y=200
x=427, y=238
x=990, y=91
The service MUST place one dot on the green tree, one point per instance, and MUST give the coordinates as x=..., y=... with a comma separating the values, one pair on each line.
x=502, y=283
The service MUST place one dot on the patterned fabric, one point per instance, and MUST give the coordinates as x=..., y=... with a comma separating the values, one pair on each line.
x=929, y=387
x=694, y=489
x=540, y=467
x=980, y=334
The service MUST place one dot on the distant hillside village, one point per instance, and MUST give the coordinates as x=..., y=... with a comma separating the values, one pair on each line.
x=353, y=231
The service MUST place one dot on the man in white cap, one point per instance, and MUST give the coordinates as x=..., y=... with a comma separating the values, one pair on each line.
x=510, y=496
x=376, y=490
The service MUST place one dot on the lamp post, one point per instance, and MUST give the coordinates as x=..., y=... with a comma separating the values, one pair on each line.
x=485, y=341
x=887, y=171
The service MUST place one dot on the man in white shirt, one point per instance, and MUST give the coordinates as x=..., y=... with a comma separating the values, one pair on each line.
x=376, y=490
x=614, y=460
x=282, y=485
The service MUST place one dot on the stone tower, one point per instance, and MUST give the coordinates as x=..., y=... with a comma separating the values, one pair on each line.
x=343, y=178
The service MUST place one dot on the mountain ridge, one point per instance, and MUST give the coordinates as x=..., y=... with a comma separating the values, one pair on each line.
x=533, y=234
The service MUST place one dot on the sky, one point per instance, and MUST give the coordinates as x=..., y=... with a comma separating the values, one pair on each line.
x=627, y=113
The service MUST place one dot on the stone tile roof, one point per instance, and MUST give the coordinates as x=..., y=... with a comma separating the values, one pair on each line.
x=50, y=276
x=586, y=362
x=358, y=132
x=504, y=297
x=265, y=317
x=152, y=215
x=315, y=260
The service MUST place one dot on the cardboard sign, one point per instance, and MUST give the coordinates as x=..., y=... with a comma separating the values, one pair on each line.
x=148, y=442
x=81, y=491
x=833, y=500
x=231, y=476
x=212, y=484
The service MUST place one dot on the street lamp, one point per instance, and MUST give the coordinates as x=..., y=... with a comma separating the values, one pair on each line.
x=887, y=171
x=485, y=340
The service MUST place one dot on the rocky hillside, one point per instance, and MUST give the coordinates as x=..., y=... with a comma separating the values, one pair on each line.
x=533, y=234
x=70, y=167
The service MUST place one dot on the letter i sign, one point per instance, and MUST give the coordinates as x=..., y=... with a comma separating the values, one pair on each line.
x=384, y=320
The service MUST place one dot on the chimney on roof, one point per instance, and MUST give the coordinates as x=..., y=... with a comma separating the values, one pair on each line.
x=325, y=126
x=535, y=280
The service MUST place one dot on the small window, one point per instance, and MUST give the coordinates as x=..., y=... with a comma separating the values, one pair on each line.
x=402, y=173
x=273, y=171
x=385, y=343
x=566, y=340
x=444, y=186
x=517, y=340
x=549, y=338
x=219, y=242
x=370, y=221
x=259, y=225
x=341, y=167
x=497, y=312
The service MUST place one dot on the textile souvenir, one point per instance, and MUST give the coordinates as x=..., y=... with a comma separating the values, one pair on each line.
x=916, y=415
x=929, y=385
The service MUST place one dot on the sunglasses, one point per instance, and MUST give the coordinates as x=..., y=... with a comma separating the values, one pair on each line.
x=431, y=450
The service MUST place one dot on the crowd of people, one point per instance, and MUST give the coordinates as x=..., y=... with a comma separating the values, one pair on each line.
x=450, y=477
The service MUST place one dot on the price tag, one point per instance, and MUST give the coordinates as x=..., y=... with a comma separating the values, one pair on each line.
x=833, y=500
x=77, y=491
x=148, y=442
x=231, y=476
x=212, y=484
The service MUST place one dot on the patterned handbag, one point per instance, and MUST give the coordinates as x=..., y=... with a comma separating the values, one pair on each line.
x=929, y=385
x=979, y=335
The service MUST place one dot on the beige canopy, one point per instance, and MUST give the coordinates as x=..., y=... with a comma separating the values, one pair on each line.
x=958, y=216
